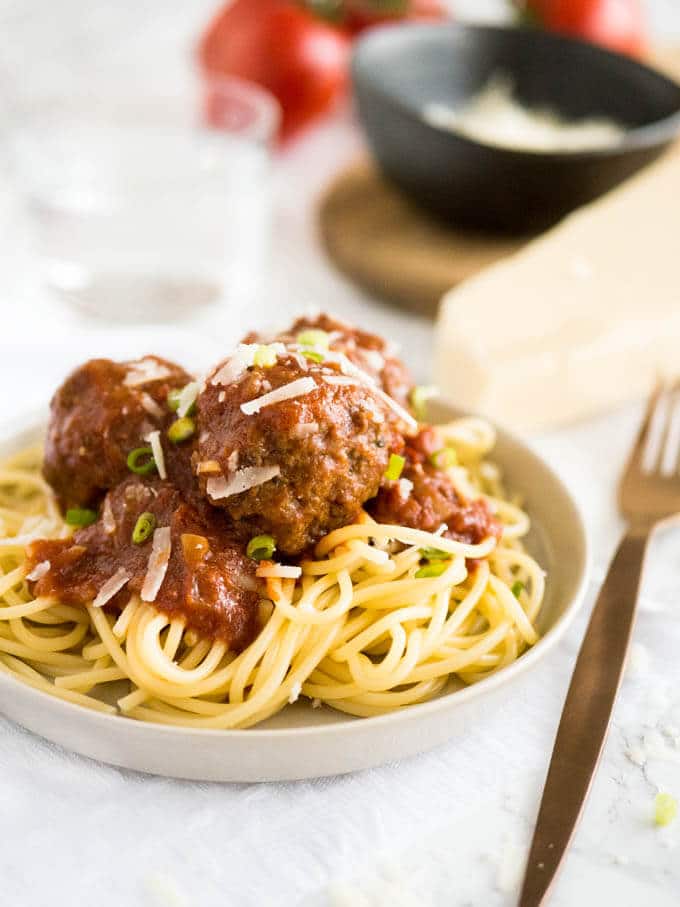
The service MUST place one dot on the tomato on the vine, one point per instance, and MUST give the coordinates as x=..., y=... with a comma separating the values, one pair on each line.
x=616, y=24
x=361, y=14
x=297, y=49
x=301, y=59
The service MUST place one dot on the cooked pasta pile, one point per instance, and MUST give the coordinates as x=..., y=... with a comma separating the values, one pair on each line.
x=384, y=617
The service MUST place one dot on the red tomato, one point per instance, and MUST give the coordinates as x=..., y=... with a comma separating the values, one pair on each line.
x=361, y=14
x=301, y=60
x=616, y=24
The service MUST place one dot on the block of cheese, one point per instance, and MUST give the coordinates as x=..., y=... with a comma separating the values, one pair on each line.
x=579, y=320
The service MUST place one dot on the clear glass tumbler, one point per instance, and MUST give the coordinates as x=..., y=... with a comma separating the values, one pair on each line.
x=151, y=209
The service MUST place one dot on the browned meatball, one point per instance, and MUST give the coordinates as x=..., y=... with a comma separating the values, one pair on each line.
x=370, y=352
x=208, y=581
x=425, y=497
x=312, y=460
x=104, y=410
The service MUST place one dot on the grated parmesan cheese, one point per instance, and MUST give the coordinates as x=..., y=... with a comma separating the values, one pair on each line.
x=405, y=487
x=297, y=388
x=112, y=585
x=373, y=358
x=158, y=564
x=39, y=571
x=278, y=571
x=300, y=359
x=187, y=397
x=349, y=368
x=403, y=414
x=341, y=380
x=240, y=360
x=154, y=439
x=144, y=371
x=108, y=519
x=150, y=405
x=242, y=480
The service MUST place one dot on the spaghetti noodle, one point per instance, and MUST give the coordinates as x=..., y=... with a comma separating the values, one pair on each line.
x=383, y=617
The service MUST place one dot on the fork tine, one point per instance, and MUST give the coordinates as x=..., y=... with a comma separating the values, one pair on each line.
x=671, y=446
x=638, y=459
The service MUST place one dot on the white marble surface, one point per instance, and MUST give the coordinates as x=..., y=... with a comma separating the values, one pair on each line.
x=448, y=828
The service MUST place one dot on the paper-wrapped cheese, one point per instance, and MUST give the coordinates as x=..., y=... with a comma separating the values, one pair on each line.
x=578, y=321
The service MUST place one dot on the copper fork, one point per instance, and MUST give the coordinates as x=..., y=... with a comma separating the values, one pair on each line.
x=649, y=493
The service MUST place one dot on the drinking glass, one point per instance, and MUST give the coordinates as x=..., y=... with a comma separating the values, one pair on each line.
x=151, y=209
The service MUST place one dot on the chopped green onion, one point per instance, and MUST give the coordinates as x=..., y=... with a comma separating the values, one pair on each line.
x=181, y=430
x=314, y=337
x=265, y=356
x=434, y=554
x=665, y=809
x=444, y=458
x=80, y=516
x=394, y=467
x=517, y=587
x=141, y=461
x=174, y=401
x=261, y=548
x=430, y=570
x=418, y=398
x=314, y=355
x=144, y=527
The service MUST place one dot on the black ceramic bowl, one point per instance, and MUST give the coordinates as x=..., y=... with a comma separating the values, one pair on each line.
x=400, y=69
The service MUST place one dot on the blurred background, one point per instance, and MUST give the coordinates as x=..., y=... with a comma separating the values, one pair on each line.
x=234, y=217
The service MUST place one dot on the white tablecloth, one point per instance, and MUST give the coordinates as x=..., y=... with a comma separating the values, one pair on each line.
x=447, y=828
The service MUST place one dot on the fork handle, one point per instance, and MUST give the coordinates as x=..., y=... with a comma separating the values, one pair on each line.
x=585, y=716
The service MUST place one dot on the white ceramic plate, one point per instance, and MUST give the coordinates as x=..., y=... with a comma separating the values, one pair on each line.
x=302, y=742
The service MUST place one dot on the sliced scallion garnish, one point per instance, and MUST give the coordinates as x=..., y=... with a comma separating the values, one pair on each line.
x=395, y=467
x=665, y=809
x=444, y=458
x=144, y=527
x=141, y=461
x=434, y=554
x=80, y=516
x=181, y=430
x=431, y=570
x=315, y=338
x=173, y=399
x=265, y=356
x=418, y=398
x=261, y=548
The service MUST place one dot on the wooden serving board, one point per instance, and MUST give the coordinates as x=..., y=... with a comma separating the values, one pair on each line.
x=388, y=246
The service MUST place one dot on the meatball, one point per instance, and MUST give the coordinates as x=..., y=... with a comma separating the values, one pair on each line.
x=424, y=497
x=209, y=582
x=104, y=410
x=368, y=351
x=300, y=463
